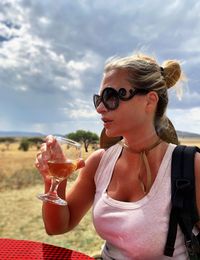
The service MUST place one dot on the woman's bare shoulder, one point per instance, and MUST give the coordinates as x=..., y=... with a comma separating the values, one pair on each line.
x=197, y=167
x=197, y=182
x=94, y=159
x=91, y=165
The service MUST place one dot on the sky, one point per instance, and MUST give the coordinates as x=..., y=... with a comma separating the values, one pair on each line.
x=52, y=55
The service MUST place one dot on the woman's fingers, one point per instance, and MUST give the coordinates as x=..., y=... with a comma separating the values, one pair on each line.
x=50, y=140
x=41, y=164
x=80, y=164
x=54, y=148
x=51, y=150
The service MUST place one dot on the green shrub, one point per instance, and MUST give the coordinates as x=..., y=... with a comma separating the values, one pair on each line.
x=24, y=145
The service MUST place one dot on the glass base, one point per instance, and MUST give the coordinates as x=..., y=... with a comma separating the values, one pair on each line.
x=52, y=199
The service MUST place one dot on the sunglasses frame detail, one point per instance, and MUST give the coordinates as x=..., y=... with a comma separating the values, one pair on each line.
x=110, y=97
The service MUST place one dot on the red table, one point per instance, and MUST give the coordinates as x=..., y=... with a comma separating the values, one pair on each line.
x=31, y=250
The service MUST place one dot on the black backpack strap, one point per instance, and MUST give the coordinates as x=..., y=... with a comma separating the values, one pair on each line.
x=184, y=211
x=190, y=213
x=171, y=236
x=176, y=168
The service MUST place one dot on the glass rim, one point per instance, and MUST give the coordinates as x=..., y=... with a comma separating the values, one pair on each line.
x=67, y=140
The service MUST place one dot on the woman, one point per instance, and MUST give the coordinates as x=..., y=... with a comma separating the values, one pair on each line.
x=128, y=184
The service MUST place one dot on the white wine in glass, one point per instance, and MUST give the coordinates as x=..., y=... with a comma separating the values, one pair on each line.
x=62, y=163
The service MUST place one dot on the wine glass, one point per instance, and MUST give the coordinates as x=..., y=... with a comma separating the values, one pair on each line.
x=62, y=163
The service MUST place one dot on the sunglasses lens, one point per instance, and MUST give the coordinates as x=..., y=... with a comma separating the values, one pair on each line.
x=110, y=98
x=96, y=100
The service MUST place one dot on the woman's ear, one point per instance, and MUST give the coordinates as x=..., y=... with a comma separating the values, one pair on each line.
x=152, y=100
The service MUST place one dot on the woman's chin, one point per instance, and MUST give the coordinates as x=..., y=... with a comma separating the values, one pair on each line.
x=111, y=134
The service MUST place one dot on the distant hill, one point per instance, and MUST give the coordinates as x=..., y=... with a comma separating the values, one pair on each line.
x=181, y=134
x=19, y=134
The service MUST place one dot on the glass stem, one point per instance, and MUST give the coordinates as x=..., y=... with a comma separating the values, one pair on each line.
x=54, y=186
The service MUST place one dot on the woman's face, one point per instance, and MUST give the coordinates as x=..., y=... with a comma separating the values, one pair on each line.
x=129, y=115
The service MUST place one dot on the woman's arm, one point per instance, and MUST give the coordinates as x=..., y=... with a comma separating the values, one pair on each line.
x=197, y=182
x=61, y=219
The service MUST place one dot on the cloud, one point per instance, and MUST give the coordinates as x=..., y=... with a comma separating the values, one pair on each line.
x=80, y=109
x=52, y=54
x=185, y=119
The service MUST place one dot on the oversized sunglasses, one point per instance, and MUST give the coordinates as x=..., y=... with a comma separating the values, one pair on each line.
x=110, y=97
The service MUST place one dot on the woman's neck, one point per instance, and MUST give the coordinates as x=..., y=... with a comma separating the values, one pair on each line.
x=142, y=141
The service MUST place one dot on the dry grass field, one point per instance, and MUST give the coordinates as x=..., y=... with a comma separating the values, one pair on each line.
x=190, y=141
x=20, y=212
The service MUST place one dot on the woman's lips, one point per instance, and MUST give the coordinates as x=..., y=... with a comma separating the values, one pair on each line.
x=107, y=122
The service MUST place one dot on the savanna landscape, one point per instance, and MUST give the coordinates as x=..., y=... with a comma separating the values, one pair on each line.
x=20, y=212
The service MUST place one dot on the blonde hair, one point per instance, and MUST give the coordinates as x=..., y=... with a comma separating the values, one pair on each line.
x=145, y=73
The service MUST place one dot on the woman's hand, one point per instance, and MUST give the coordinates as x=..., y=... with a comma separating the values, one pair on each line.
x=51, y=150
x=44, y=155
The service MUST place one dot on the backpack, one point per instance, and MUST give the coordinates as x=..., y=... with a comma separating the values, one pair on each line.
x=184, y=210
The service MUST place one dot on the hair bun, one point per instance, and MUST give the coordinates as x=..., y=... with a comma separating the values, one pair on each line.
x=171, y=72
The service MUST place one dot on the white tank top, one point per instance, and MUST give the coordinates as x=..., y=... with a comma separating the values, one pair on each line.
x=135, y=230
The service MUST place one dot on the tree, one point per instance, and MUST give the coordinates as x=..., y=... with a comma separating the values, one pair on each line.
x=85, y=137
x=24, y=145
x=36, y=141
x=7, y=141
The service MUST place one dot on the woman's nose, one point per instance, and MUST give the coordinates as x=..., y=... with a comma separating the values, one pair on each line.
x=101, y=108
